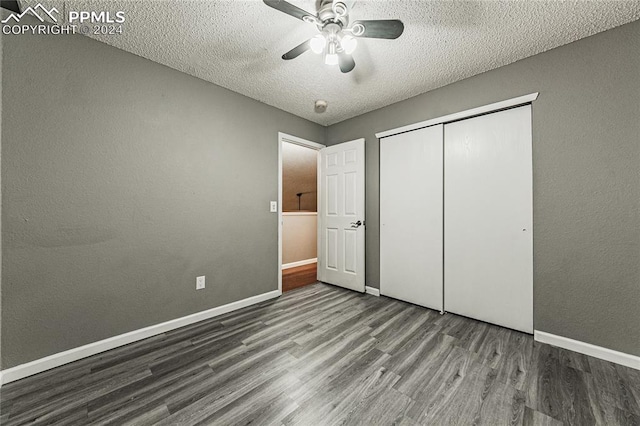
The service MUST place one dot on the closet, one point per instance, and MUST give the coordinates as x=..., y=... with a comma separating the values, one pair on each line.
x=456, y=217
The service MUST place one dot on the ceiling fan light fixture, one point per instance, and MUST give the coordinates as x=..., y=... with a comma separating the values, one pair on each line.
x=331, y=58
x=349, y=44
x=336, y=41
x=318, y=43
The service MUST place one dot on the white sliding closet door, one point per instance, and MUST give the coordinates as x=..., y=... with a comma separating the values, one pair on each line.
x=488, y=248
x=411, y=216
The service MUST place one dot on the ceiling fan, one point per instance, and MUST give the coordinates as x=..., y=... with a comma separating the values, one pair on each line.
x=11, y=5
x=337, y=40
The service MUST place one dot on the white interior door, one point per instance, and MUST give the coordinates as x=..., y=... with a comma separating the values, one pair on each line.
x=488, y=247
x=341, y=215
x=411, y=216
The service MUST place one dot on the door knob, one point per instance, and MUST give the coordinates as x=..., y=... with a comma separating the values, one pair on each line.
x=356, y=224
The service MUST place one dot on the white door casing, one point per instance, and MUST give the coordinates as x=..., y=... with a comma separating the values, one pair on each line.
x=488, y=219
x=411, y=216
x=285, y=138
x=341, y=215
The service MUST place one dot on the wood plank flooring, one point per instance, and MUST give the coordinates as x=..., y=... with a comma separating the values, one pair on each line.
x=321, y=355
x=299, y=276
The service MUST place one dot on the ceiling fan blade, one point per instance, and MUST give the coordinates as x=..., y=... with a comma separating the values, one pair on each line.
x=346, y=62
x=383, y=28
x=288, y=8
x=297, y=51
x=11, y=5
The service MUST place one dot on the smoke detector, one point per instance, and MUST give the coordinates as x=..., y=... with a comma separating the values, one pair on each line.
x=320, y=106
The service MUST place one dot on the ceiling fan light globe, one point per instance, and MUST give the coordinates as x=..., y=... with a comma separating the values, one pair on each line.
x=349, y=44
x=331, y=59
x=318, y=44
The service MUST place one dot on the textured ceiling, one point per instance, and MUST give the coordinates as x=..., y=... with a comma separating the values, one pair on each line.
x=238, y=44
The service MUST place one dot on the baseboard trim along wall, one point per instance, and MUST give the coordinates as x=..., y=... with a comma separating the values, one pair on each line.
x=621, y=358
x=56, y=360
x=300, y=263
x=372, y=291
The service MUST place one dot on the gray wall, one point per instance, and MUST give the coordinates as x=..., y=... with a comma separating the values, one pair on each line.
x=586, y=141
x=122, y=180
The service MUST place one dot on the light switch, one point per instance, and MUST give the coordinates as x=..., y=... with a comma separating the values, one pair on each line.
x=274, y=207
x=200, y=283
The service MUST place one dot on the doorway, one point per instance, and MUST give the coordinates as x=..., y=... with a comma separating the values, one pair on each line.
x=298, y=212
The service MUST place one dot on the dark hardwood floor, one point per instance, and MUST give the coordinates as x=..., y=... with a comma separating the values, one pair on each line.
x=321, y=355
x=299, y=276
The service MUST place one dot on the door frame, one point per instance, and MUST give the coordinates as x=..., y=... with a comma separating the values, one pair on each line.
x=283, y=137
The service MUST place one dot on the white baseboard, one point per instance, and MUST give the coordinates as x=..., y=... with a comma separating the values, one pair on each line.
x=61, y=358
x=300, y=263
x=621, y=358
x=372, y=291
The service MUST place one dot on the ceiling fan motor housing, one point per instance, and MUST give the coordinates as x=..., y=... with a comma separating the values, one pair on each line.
x=336, y=12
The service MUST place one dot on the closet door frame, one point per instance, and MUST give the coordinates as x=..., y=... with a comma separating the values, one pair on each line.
x=469, y=113
x=473, y=112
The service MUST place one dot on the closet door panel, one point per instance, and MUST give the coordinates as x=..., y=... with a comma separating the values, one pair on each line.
x=488, y=248
x=411, y=216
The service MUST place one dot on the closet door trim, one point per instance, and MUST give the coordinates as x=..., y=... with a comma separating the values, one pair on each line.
x=494, y=107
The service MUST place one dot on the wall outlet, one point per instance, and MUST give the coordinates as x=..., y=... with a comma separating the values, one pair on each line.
x=273, y=207
x=200, y=283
